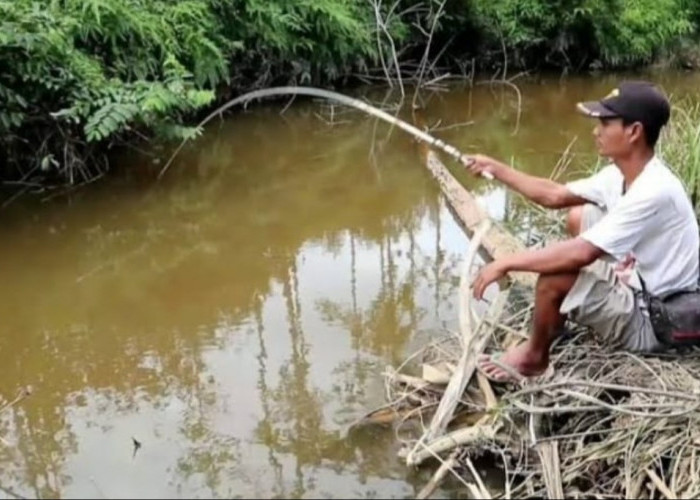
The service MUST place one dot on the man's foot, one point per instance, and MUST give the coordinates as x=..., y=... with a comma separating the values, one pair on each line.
x=517, y=362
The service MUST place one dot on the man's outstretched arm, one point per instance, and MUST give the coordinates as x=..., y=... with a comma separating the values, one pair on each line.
x=542, y=191
x=565, y=256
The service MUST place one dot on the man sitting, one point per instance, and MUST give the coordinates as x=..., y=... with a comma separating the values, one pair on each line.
x=632, y=211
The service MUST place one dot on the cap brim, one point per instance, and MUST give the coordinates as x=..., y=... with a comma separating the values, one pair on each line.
x=595, y=109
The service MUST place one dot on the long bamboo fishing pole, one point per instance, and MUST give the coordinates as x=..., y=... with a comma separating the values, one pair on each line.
x=343, y=99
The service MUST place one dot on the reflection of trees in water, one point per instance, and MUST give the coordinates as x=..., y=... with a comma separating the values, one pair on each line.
x=209, y=454
x=266, y=431
x=293, y=422
x=393, y=315
x=186, y=233
x=306, y=407
x=27, y=462
x=39, y=432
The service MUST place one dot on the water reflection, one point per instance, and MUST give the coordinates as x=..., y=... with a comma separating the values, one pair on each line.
x=233, y=323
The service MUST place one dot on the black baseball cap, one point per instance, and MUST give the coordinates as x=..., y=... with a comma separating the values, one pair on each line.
x=635, y=101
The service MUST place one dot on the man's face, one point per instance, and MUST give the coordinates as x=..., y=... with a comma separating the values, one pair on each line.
x=615, y=140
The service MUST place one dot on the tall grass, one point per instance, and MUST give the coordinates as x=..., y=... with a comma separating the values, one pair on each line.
x=679, y=146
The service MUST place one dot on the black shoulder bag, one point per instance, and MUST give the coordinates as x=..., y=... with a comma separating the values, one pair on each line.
x=675, y=318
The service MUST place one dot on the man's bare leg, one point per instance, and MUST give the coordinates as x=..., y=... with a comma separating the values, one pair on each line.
x=531, y=357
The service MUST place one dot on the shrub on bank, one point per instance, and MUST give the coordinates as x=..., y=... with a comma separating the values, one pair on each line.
x=80, y=75
x=580, y=33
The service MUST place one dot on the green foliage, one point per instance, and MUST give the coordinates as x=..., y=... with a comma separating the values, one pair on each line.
x=639, y=29
x=615, y=32
x=79, y=75
x=308, y=40
x=96, y=68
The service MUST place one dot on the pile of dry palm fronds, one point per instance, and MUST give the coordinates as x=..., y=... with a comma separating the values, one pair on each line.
x=599, y=423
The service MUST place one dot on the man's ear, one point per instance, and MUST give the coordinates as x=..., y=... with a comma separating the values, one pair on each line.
x=636, y=132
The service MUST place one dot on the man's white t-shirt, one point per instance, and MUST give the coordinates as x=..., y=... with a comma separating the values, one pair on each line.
x=654, y=221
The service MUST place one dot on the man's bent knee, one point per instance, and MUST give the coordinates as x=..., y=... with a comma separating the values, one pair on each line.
x=583, y=217
x=573, y=220
x=555, y=285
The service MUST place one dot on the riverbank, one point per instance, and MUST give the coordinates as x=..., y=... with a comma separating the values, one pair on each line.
x=82, y=80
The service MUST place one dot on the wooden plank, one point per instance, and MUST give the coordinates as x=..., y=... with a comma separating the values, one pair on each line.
x=497, y=242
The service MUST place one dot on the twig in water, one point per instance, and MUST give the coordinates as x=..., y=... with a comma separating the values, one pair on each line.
x=381, y=23
x=97, y=487
x=114, y=262
x=11, y=493
x=426, y=52
x=517, y=92
x=16, y=195
x=451, y=126
x=22, y=394
x=286, y=107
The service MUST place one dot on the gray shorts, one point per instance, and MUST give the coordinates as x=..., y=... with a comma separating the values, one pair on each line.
x=601, y=301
